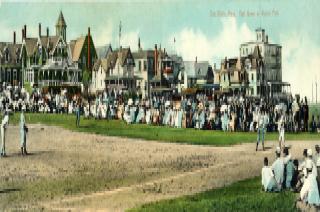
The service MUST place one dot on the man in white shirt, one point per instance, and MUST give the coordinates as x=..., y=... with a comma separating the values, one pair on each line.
x=309, y=192
x=309, y=158
x=4, y=123
x=267, y=177
x=278, y=168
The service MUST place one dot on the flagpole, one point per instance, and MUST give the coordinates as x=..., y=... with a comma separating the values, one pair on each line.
x=119, y=53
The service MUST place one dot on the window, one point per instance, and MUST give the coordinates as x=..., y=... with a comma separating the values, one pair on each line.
x=139, y=65
x=251, y=77
x=145, y=65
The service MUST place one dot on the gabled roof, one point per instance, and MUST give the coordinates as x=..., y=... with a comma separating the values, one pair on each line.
x=76, y=47
x=31, y=45
x=44, y=41
x=61, y=21
x=111, y=58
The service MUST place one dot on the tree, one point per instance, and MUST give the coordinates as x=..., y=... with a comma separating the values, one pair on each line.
x=86, y=80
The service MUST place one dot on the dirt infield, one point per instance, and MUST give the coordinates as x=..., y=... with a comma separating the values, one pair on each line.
x=139, y=171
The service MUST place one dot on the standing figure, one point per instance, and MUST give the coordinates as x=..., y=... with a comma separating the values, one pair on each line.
x=281, y=131
x=278, y=169
x=260, y=129
x=23, y=135
x=78, y=114
x=4, y=123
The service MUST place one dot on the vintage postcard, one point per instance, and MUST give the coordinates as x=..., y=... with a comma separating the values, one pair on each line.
x=159, y=105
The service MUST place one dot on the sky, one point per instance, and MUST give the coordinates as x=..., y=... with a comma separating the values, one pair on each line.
x=208, y=30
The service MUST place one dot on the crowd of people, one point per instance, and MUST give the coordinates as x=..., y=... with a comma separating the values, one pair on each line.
x=199, y=111
x=288, y=173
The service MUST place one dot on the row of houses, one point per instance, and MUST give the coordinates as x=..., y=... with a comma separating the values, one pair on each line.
x=49, y=61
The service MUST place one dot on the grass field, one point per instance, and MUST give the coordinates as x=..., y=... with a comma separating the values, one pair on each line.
x=159, y=133
x=241, y=196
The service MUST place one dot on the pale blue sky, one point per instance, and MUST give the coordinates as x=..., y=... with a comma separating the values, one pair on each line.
x=157, y=19
x=197, y=32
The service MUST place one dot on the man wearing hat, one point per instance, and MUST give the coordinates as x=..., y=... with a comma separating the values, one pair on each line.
x=314, y=168
x=309, y=192
x=278, y=168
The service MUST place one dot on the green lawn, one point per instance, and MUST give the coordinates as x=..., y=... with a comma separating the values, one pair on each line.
x=241, y=196
x=147, y=132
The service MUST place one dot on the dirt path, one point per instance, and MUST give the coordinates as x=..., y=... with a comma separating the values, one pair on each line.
x=149, y=171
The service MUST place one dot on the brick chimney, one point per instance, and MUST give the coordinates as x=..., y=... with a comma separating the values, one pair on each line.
x=14, y=37
x=25, y=31
x=155, y=59
x=22, y=35
x=88, y=65
x=39, y=29
x=47, y=31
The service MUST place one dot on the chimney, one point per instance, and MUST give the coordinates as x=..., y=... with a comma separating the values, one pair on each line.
x=39, y=29
x=14, y=37
x=25, y=31
x=139, y=44
x=47, y=31
x=88, y=65
x=196, y=59
x=22, y=34
x=155, y=59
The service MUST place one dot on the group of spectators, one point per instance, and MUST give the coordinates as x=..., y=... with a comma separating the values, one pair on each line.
x=288, y=173
x=199, y=111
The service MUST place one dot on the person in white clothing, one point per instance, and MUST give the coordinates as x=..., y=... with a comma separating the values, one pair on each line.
x=267, y=177
x=278, y=169
x=309, y=192
x=309, y=158
x=4, y=124
x=281, y=123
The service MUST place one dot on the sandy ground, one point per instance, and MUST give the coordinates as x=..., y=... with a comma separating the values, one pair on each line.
x=156, y=170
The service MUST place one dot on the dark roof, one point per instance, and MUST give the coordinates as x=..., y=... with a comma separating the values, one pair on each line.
x=112, y=57
x=13, y=51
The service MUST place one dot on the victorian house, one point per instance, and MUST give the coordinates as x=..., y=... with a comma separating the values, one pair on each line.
x=49, y=61
x=10, y=62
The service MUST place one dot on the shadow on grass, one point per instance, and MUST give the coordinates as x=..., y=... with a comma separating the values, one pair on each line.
x=9, y=190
